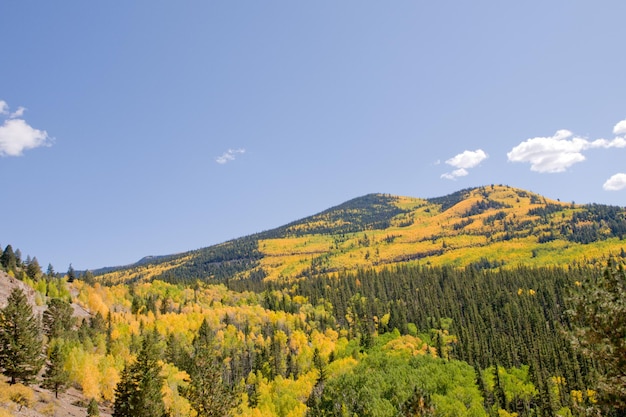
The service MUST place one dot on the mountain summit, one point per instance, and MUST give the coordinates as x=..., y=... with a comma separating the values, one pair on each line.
x=486, y=227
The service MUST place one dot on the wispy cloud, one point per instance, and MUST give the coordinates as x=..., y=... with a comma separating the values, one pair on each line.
x=17, y=113
x=464, y=161
x=229, y=155
x=557, y=153
x=16, y=135
x=4, y=110
x=615, y=183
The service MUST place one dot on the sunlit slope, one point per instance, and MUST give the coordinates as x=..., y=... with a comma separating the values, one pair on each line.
x=492, y=226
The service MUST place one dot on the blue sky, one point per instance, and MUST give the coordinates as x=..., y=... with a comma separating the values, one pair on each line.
x=147, y=128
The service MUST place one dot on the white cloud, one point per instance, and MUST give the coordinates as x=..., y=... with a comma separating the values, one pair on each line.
x=461, y=172
x=557, y=153
x=467, y=159
x=615, y=183
x=603, y=143
x=229, y=155
x=16, y=136
x=18, y=113
x=4, y=110
x=620, y=128
x=463, y=161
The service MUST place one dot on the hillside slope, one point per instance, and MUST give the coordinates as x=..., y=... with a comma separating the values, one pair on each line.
x=491, y=226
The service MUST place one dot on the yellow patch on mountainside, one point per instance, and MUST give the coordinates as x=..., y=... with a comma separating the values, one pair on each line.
x=491, y=226
x=143, y=272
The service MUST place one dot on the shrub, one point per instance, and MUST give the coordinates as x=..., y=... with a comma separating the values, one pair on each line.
x=21, y=395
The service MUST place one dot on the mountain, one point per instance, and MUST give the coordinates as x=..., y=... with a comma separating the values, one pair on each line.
x=494, y=226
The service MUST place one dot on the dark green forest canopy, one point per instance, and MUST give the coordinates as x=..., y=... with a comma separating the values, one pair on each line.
x=500, y=317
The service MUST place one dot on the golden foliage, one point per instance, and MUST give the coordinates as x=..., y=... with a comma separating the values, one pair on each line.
x=21, y=395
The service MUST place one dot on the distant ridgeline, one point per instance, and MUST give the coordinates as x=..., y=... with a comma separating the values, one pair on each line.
x=487, y=227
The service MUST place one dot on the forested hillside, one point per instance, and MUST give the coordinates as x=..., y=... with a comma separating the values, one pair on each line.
x=488, y=302
x=412, y=340
x=488, y=227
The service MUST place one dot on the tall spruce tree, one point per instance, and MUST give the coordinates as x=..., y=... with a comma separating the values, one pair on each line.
x=138, y=394
x=7, y=259
x=71, y=274
x=206, y=392
x=56, y=377
x=33, y=269
x=599, y=320
x=58, y=320
x=20, y=339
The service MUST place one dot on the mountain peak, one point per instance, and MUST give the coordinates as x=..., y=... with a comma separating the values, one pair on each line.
x=489, y=225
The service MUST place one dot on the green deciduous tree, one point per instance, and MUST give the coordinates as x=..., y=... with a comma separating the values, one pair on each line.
x=20, y=339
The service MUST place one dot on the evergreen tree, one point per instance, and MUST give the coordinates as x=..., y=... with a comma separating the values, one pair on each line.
x=418, y=404
x=18, y=257
x=20, y=339
x=8, y=259
x=33, y=270
x=92, y=409
x=125, y=393
x=50, y=271
x=599, y=320
x=206, y=392
x=313, y=403
x=71, y=274
x=56, y=377
x=58, y=320
x=319, y=364
x=498, y=391
x=138, y=394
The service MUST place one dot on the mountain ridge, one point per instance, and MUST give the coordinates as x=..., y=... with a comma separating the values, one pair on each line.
x=492, y=225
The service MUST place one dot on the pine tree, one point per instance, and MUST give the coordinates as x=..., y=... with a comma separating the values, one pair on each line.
x=33, y=270
x=20, y=339
x=599, y=320
x=58, y=320
x=50, y=271
x=92, y=409
x=71, y=274
x=206, y=392
x=498, y=391
x=56, y=377
x=18, y=257
x=138, y=394
x=125, y=393
x=7, y=259
x=313, y=403
x=319, y=364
